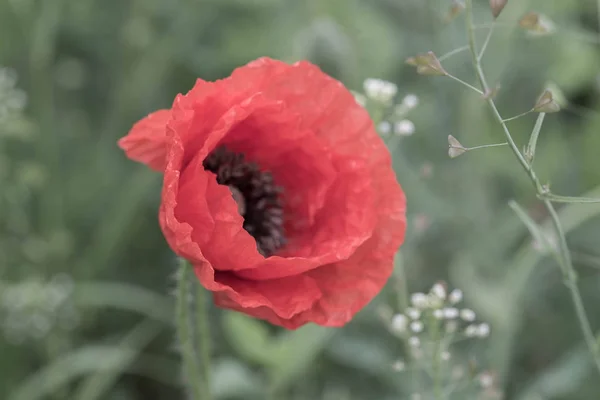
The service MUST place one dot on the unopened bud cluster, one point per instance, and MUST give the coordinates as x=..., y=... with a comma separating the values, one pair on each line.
x=441, y=306
x=379, y=98
x=31, y=309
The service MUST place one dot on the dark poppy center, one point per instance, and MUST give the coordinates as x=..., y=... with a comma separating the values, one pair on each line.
x=256, y=194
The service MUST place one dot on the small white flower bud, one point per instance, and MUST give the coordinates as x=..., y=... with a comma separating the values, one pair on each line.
x=384, y=128
x=445, y=356
x=372, y=87
x=399, y=323
x=450, y=313
x=410, y=101
x=380, y=90
x=439, y=291
x=414, y=341
x=413, y=313
x=404, y=127
x=486, y=380
x=438, y=313
x=455, y=296
x=417, y=326
x=419, y=300
x=483, y=330
x=467, y=315
x=398, y=366
x=471, y=330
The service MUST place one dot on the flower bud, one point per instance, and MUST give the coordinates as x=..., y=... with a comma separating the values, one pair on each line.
x=455, y=149
x=546, y=103
x=497, y=6
x=536, y=24
x=404, y=127
x=427, y=64
x=456, y=8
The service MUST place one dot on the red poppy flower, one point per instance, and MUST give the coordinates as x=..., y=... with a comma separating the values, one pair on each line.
x=278, y=190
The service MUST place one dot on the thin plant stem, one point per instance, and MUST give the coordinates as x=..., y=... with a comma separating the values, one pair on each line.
x=191, y=366
x=518, y=116
x=453, y=52
x=598, y=11
x=437, y=360
x=486, y=42
x=465, y=83
x=484, y=146
x=566, y=263
x=203, y=333
x=535, y=134
x=570, y=277
x=568, y=199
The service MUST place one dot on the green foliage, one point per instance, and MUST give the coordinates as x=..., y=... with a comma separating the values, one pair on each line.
x=72, y=206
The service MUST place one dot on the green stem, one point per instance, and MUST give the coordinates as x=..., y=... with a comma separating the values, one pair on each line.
x=518, y=116
x=465, y=83
x=486, y=42
x=570, y=277
x=437, y=359
x=485, y=146
x=565, y=257
x=203, y=332
x=568, y=199
x=192, y=370
x=531, y=146
x=453, y=52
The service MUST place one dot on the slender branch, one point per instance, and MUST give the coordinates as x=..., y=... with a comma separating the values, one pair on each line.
x=570, y=277
x=487, y=41
x=568, y=199
x=465, y=84
x=453, y=52
x=531, y=146
x=484, y=146
x=565, y=257
x=518, y=116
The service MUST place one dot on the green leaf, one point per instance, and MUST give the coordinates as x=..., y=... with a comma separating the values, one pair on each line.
x=249, y=337
x=125, y=297
x=295, y=352
x=98, y=384
x=86, y=360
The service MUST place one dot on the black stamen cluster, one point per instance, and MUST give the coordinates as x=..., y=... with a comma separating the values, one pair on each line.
x=262, y=209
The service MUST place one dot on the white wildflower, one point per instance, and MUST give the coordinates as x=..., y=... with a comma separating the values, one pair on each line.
x=483, y=330
x=414, y=341
x=486, y=380
x=384, y=128
x=419, y=300
x=450, y=313
x=413, y=313
x=398, y=365
x=467, y=314
x=417, y=326
x=399, y=323
x=404, y=127
x=439, y=291
x=380, y=90
x=455, y=296
x=471, y=330
x=410, y=101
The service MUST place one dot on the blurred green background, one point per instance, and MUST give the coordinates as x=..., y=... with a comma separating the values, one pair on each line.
x=85, y=274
